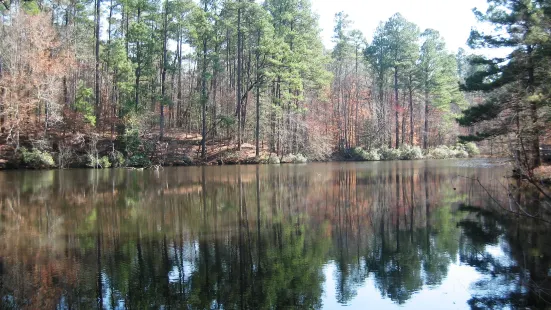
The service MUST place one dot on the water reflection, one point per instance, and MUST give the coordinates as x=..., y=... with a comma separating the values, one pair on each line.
x=267, y=237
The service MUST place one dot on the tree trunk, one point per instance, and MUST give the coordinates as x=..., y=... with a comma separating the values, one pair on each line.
x=214, y=90
x=396, y=102
x=179, y=95
x=426, y=127
x=411, y=127
x=163, y=75
x=204, y=97
x=357, y=101
x=239, y=64
x=536, y=158
x=138, y=69
x=97, y=76
x=257, y=129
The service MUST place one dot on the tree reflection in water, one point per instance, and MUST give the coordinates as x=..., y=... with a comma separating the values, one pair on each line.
x=259, y=237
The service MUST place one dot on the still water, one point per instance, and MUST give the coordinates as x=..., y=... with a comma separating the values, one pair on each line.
x=409, y=234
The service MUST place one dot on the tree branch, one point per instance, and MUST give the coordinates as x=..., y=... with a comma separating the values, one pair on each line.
x=6, y=5
x=524, y=213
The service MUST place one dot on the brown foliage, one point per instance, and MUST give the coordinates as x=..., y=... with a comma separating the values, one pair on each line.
x=31, y=85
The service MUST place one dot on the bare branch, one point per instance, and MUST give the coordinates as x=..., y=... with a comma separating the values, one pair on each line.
x=6, y=4
x=524, y=213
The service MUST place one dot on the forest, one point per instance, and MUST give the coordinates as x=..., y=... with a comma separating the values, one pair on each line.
x=176, y=82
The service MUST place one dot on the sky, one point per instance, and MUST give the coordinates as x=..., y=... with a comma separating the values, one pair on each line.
x=452, y=18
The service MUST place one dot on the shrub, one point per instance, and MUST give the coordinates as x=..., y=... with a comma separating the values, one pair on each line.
x=37, y=159
x=389, y=154
x=138, y=160
x=372, y=155
x=440, y=152
x=289, y=158
x=95, y=162
x=356, y=153
x=131, y=142
x=444, y=152
x=136, y=150
x=187, y=160
x=294, y=159
x=408, y=152
x=360, y=154
x=300, y=159
x=460, y=154
x=117, y=159
x=471, y=148
x=274, y=160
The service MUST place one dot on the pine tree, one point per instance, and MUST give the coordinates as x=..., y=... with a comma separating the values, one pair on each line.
x=402, y=47
x=517, y=84
x=438, y=77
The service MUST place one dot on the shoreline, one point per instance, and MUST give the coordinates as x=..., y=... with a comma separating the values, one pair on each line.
x=5, y=166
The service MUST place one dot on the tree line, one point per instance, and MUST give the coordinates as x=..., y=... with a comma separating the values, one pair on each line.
x=231, y=72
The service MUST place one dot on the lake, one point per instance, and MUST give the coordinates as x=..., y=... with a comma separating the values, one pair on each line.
x=381, y=235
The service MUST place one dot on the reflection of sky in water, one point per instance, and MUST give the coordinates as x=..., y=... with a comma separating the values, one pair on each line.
x=108, y=297
x=453, y=293
x=187, y=270
x=310, y=237
x=187, y=267
x=498, y=252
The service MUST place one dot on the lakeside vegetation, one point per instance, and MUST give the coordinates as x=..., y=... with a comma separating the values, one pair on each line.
x=179, y=82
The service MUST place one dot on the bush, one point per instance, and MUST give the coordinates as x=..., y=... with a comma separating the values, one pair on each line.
x=464, y=150
x=274, y=160
x=294, y=159
x=372, y=155
x=444, y=152
x=37, y=159
x=136, y=149
x=300, y=159
x=471, y=148
x=408, y=152
x=95, y=162
x=440, y=152
x=287, y=159
x=460, y=154
x=131, y=142
x=360, y=154
x=389, y=154
x=187, y=160
x=117, y=159
x=138, y=160
x=357, y=153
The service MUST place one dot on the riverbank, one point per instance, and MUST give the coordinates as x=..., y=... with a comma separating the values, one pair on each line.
x=184, y=149
x=177, y=149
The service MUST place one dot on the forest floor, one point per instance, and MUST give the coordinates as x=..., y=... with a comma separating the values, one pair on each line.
x=183, y=147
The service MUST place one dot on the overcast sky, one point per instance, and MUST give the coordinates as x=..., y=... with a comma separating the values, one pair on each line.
x=452, y=18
